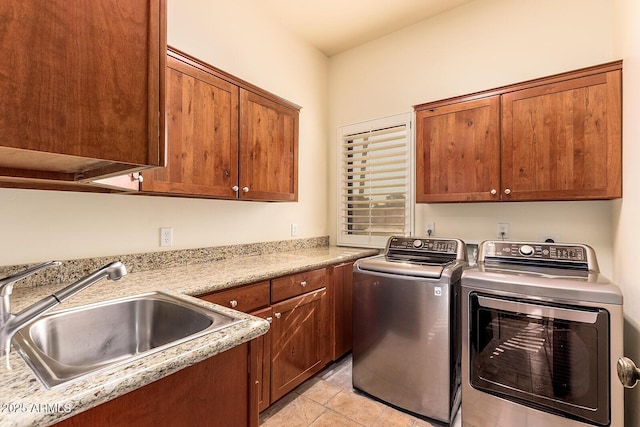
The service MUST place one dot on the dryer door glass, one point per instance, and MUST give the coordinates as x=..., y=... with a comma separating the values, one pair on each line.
x=547, y=356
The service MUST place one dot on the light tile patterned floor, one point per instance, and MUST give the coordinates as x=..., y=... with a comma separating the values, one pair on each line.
x=329, y=400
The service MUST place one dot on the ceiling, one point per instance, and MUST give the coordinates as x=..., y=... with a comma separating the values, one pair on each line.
x=334, y=26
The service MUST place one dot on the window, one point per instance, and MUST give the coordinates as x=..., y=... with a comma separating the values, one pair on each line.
x=375, y=185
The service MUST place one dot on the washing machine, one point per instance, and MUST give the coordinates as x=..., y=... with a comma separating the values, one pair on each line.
x=406, y=325
x=541, y=335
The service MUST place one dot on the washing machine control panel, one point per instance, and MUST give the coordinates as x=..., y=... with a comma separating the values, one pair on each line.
x=423, y=245
x=543, y=251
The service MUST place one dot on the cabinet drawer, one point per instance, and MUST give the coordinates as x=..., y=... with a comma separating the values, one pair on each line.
x=297, y=284
x=243, y=298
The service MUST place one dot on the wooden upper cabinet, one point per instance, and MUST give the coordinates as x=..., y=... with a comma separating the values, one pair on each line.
x=555, y=138
x=268, y=149
x=202, y=134
x=82, y=87
x=563, y=140
x=226, y=137
x=456, y=147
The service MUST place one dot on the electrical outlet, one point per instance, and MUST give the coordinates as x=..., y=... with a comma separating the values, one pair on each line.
x=503, y=230
x=431, y=229
x=294, y=230
x=166, y=236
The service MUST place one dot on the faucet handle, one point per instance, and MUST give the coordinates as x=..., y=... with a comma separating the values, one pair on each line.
x=6, y=283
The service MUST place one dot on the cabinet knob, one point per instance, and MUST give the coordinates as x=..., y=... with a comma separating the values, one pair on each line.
x=303, y=283
x=269, y=319
x=235, y=188
x=245, y=189
x=233, y=303
x=507, y=191
x=494, y=191
x=278, y=315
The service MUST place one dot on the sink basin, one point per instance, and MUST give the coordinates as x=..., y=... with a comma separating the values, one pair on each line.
x=73, y=343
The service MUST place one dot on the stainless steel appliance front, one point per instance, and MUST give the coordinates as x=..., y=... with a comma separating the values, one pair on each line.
x=406, y=348
x=542, y=331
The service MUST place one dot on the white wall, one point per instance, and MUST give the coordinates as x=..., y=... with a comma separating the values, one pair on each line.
x=242, y=40
x=480, y=45
x=627, y=211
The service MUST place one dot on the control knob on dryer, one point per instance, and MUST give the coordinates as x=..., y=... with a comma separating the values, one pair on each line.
x=417, y=243
x=526, y=250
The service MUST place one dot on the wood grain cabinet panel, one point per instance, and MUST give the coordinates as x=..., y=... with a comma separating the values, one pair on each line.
x=563, y=140
x=268, y=149
x=246, y=298
x=263, y=362
x=343, y=309
x=214, y=392
x=554, y=138
x=202, y=135
x=298, y=341
x=82, y=87
x=456, y=147
x=297, y=284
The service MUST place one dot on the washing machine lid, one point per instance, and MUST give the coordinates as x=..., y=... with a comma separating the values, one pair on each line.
x=417, y=257
x=383, y=264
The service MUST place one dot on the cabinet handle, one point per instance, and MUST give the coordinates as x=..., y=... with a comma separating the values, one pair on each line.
x=628, y=372
x=493, y=191
x=235, y=188
x=303, y=283
x=507, y=191
x=278, y=315
x=245, y=189
x=269, y=319
x=233, y=303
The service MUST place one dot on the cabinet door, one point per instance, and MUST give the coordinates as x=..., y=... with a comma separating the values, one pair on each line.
x=457, y=152
x=343, y=309
x=213, y=392
x=562, y=141
x=297, y=341
x=202, y=134
x=263, y=362
x=82, y=89
x=268, y=149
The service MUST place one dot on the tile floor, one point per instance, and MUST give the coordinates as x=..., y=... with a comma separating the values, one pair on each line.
x=328, y=399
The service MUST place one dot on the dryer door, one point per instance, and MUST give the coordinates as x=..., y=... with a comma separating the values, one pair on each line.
x=546, y=356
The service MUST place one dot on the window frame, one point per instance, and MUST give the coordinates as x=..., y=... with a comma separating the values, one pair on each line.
x=378, y=239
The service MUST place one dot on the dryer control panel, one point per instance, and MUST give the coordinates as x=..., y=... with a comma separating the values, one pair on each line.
x=536, y=252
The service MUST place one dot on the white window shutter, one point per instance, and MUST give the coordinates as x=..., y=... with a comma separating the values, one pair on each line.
x=375, y=181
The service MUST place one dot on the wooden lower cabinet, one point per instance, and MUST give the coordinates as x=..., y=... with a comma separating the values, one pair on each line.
x=298, y=331
x=262, y=362
x=310, y=326
x=214, y=392
x=343, y=309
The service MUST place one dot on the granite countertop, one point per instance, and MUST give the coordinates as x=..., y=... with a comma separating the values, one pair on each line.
x=24, y=401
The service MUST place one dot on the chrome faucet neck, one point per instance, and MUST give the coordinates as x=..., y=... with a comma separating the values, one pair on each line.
x=6, y=289
x=10, y=323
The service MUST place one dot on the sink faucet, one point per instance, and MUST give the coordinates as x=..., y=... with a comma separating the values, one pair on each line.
x=10, y=323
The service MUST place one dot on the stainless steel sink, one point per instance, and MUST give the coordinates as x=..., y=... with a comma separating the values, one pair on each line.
x=70, y=344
